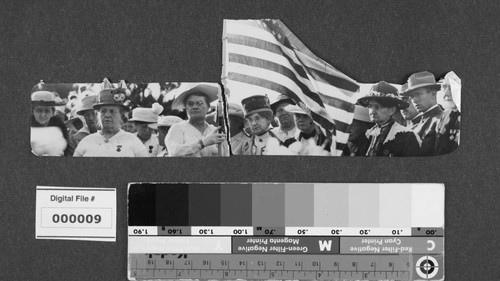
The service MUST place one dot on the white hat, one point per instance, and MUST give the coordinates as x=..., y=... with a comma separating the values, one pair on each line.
x=147, y=115
x=210, y=91
x=45, y=98
x=165, y=121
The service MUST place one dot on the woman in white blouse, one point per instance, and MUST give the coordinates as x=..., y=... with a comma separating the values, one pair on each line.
x=195, y=137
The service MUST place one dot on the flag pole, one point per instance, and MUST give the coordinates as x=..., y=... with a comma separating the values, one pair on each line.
x=224, y=56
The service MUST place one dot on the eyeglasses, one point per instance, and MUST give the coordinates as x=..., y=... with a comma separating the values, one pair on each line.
x=192, y=103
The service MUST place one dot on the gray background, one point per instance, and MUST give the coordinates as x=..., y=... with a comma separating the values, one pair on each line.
x=149, y=41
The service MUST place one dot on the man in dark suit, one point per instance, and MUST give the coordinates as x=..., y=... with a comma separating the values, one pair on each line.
x=422, y=90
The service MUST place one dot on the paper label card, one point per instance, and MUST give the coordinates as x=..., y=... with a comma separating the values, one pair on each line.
x=76, y=213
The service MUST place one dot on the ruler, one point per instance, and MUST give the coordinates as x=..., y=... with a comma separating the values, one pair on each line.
x=303, y=267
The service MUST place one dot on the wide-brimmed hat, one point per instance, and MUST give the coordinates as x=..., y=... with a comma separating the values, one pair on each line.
x=235, y=110
x=295, y=109
x=45, y=98
x=146, y=115
x=111, y=97
x=419, y=80
x=281, y=98
x=211, y=92
x=87, y=104
x=165, y=121
x=383, y=91
x=255, y=104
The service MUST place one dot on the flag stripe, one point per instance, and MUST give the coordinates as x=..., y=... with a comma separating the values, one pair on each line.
x=283, y=80
x=269, y=65
x=334, y=97
x=335, y=102
x=263, y=73
x=274, y=48
x=278, y=88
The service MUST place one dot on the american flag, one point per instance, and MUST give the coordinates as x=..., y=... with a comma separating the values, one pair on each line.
x=265, y=57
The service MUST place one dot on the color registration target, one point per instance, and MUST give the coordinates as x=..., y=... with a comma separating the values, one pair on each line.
x=427, y=267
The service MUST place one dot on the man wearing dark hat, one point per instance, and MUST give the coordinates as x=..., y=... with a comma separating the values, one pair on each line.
x=387, y=137
x=195, y=137
x=410, y=114
x=287, y=128
x=111, y=140
x=87, y=111
x=422, y=90
x=259, y=115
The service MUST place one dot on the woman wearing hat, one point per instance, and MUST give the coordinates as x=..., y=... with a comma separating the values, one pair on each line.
x=142, y=117
x=311, y=138
x=195, y=137
x=387, y=137
x=48, y=131
x=111, y=140
x=258, y=114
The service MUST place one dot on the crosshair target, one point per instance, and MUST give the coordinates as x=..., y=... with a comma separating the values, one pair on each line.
x=427, y=267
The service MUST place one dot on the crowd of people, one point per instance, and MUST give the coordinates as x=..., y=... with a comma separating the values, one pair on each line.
x=387, y=122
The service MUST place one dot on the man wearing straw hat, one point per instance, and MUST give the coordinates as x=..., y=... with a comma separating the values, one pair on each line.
x=163, y=126
x=142, y=117
x=422, y=90
x=195, y=137
x=387, y=137
x=111, y=140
